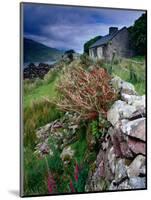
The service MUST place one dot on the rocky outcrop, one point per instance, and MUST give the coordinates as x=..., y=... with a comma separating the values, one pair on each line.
x=32, y=71
x=62, y=132
x=121, y=161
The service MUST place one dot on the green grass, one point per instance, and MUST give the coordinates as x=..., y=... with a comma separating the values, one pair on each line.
x=38, y=112
x=35, y=172
x=35, y=116
x=36, y=91
x=125, y=68
x=39, y=93
x=138, y=58
x=80, y=146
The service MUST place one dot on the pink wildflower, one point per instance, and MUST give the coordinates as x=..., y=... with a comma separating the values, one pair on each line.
x=51, y=184
x=76, y=172
x=72, y=187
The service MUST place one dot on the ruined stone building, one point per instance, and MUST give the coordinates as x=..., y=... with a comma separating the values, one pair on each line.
x=116, y=43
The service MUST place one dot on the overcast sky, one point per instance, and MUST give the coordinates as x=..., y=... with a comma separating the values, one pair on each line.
x=70, y=27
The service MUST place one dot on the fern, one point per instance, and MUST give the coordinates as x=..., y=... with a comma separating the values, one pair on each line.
x=95, y=130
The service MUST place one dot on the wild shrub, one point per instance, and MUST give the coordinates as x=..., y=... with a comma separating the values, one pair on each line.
x=108, y=67
x=87, y=93
x=100, y=62
x=85, y=60
x=99, y=127
x=94, y=127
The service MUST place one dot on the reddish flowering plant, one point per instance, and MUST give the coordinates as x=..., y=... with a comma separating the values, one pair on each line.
x=76, y=178
x=72, y=187
x=51, y=184
x=87, y=93
x=76, y=172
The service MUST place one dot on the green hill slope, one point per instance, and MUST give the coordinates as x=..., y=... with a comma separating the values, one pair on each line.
x=37, y=52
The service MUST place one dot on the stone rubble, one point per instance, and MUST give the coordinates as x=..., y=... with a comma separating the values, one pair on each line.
x=62, y=131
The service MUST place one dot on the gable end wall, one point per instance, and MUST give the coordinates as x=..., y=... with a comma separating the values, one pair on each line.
x=119, y=45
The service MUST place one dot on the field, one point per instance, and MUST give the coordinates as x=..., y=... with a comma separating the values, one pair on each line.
x=38, y=112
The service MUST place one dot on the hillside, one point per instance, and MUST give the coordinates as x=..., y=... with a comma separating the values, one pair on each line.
x=37, y=52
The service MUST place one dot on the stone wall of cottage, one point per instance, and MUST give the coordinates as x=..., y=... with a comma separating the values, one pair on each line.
x=120, y=46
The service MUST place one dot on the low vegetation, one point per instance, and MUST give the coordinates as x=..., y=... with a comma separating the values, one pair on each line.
x=131, y=70
x=87, y=93
x=80, y=87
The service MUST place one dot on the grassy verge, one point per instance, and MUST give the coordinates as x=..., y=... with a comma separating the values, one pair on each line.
x=37, y=112
x=131, y=70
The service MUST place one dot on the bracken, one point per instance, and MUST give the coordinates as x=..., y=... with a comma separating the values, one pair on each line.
x=87, y=93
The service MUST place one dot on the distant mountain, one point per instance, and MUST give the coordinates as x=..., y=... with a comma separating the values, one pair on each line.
x=37, y=52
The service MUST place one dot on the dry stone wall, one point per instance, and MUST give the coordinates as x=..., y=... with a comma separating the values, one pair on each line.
x=121, y=161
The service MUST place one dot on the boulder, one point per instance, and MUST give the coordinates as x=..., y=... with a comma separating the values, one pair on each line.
x=132, y=183
x=135, y=167
x=122, y=86
x=135, y=128
x=113, y=114
x=136, y=146
x=120, y=110
x=116, y=83
x=137, y=182
x=137, y=101
x=128, y=88
x=112, y=160
x=102, y=165
x=120, y=145
x=143, y=170
x=139, y=113
x=124, y=185
x=120, y=170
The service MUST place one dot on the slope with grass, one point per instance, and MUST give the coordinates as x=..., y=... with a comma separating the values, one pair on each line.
x=132, y=70
x=37, y=52
x=38, y=112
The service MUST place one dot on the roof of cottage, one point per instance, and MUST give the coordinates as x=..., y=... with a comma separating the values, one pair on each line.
x=105, y=39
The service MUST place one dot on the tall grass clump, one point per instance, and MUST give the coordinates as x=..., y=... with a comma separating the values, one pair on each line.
x=51, y=76
x=133, y=75
x=36, y=115
x=30, y=85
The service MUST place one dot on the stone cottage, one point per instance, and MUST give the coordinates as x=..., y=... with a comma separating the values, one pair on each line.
x=116, y=43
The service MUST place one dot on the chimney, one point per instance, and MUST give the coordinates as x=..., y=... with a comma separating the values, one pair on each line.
x=112, y=30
